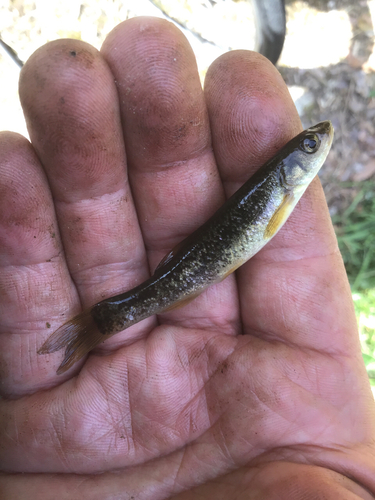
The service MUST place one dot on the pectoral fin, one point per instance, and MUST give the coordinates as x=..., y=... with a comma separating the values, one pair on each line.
x=280, y=216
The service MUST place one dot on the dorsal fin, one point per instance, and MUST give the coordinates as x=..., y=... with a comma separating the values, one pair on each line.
x=169, y=256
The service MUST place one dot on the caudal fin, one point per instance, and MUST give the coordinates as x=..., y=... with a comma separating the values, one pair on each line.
x=78, y=336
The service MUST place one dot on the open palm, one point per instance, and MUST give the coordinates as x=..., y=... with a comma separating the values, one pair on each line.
x=252, y=386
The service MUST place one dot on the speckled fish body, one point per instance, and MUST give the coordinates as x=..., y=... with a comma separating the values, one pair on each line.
x=236, y=232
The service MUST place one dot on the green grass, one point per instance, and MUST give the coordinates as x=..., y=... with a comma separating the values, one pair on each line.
x=355, y=230
x=364, y=303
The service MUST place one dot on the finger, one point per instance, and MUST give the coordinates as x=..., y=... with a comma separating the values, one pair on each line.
x=71, y=108
x=35, y=286
x=288, y=289
x=172, y=168
x=252, y=114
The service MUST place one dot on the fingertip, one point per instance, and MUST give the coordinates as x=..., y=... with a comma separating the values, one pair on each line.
x=142, y=29
x=252, y=114
x=160, y=93
x=71, y=110
x=49, y=69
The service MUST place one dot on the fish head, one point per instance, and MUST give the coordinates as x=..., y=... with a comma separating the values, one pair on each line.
x=308, y=152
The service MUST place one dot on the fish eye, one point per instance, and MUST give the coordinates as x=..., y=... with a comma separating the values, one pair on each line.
x=310, y=143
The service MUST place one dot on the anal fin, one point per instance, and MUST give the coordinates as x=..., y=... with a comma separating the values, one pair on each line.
x=182, y=302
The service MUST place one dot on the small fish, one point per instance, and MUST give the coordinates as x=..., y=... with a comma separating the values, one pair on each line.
x=236, y=232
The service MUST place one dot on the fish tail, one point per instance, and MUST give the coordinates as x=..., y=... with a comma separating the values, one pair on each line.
x=79, y=336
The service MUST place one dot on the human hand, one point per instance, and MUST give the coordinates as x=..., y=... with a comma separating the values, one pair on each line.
x=180, y=406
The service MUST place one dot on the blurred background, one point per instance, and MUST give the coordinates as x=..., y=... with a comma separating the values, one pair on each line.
x=327, y=61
